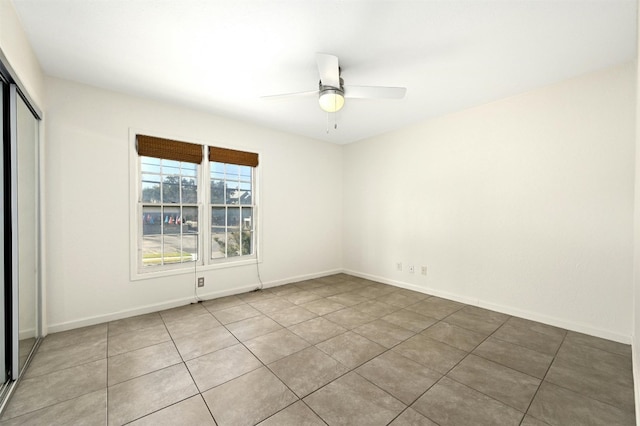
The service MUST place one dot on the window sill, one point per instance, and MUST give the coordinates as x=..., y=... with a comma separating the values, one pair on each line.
x=193, y=269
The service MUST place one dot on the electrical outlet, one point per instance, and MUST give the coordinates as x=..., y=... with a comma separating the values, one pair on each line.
x=399, y=266
x=424, y=270
x=200, y=281
x=412, y=269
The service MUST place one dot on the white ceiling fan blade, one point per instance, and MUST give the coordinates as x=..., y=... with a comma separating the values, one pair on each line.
x=285, y=96
x=328, y=69
x=374, y=92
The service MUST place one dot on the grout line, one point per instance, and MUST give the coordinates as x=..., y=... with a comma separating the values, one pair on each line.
x=353, y=370
x=569, y=389
x=263, y=365
x=545, y=376
x=314, y=346
x=160, y=369
x=459, y=362
x=378, y=299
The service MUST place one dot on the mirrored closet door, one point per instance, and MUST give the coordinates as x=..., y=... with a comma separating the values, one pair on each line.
x=25, y=222
x=20, y=320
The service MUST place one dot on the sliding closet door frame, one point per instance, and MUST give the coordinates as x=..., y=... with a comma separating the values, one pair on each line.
x=15, y=302
x=13, y=85
x=4, y=359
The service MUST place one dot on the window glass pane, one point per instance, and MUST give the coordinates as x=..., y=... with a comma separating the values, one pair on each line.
x=245, y=172
x=217, y=171
x=239, y=243
x=189, y=220
x=246, y=233
x=245, y=192
x=189, y=169
x=232, y=171
x=151, y=236
x=150, y=164
x=189, y=191
x=151, y=221
x=233, y=217
x=233, y=244
x=217, y=167
x=172, y=249
x=150, y=188
x=232, y=193
x=171, y=220
x=151, y=250
x=247, y=218
x=217, y=192
x=170, y=165
x=247, y=242
x=171, y=189
x=218, y=243
x=189, y=248
x=218, y=216
x=170, y=171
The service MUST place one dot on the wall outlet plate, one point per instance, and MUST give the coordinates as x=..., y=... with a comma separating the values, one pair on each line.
x=399, y=266
x=412, y=269
x=424, y=270
x=200, y=281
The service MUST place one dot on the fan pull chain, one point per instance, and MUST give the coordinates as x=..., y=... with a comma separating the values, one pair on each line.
x=335, y=122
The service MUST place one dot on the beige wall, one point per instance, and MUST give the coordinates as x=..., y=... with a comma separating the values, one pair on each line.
x=16, y=48
x=524, y=205
x=88, y=213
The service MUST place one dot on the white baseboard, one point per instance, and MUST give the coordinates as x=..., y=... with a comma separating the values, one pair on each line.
x=99, y=319
x=557, y=322
x=298, y=278
x=534, y=316
x=26, y=334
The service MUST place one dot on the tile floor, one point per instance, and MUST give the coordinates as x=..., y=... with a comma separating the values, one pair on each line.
x=337, y=350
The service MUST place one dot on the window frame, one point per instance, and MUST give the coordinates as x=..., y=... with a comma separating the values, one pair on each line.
x=204, y=262
x=162, y=206
x=211, y=205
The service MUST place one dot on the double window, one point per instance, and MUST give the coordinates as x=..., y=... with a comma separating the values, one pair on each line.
x=196, y=205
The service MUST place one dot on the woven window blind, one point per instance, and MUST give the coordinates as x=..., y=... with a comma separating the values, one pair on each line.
x=150, y=146
x=224, y=155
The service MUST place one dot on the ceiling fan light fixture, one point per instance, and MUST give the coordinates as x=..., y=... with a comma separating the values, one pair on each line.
x=331, y=99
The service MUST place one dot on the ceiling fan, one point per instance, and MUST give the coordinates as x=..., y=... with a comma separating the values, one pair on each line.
x=332, y=91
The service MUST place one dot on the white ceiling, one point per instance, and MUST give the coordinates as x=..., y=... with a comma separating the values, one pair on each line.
x=223, y=55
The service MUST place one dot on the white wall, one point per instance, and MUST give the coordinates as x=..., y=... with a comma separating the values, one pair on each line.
x=87, y=190
x=524, y=205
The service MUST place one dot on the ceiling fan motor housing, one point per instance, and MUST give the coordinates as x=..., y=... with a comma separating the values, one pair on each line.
x=331, y=98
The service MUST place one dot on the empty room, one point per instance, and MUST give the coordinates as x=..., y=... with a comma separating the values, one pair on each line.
x=244, y=212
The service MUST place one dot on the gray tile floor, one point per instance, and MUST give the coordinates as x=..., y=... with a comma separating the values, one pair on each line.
x=337, y=350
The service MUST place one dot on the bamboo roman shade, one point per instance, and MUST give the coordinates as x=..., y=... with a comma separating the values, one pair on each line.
x=151, y=146
x=224, y=155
